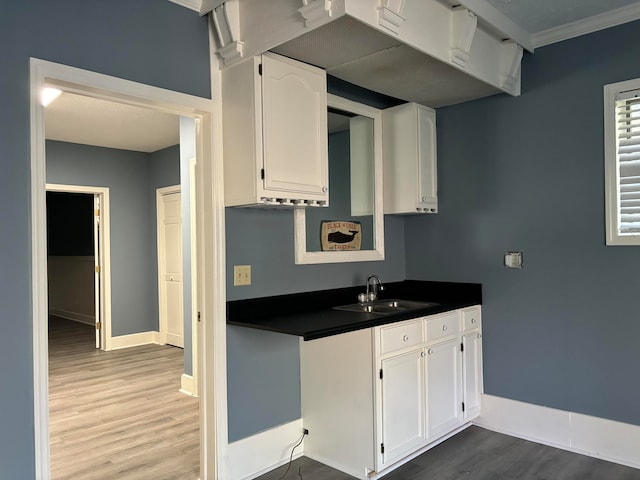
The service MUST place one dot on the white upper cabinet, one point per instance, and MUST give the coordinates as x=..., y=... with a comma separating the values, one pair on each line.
x=410, y=159
x=275, y=132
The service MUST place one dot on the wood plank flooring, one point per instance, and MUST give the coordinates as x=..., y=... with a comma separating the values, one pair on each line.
x=118, y=414
x=479, y=454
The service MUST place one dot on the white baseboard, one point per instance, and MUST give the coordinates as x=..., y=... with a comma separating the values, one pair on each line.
x=596, y=437
x=251, y=457
x=135, y=340
x=76, y=317
x=186, y=384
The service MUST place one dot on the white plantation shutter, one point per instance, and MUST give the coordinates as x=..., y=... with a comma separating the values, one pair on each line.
x=622, y=162
x=628, y=155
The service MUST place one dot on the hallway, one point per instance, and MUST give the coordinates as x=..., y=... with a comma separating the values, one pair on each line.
x=118, y=414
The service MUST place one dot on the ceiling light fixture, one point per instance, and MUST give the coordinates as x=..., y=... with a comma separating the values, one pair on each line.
x=49, y=94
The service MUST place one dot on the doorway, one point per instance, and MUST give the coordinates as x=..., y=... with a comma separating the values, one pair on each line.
x=85, y=83
x=78, y=260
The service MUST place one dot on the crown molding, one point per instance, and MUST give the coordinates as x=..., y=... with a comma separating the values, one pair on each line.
x=201, y=6
x=190, y=4
x=588, y=25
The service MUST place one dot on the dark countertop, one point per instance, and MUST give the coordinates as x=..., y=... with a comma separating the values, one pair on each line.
x=310, y=315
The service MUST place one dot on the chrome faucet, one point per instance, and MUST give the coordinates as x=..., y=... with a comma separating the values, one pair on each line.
x=374, y=285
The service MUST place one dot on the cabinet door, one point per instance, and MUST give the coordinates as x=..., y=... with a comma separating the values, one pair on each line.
x=444, y=402
x=427, y=174
x=294, y=127
x=472, y=373
x=402, y=406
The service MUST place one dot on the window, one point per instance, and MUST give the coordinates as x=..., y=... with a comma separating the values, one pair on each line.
x=622, y=162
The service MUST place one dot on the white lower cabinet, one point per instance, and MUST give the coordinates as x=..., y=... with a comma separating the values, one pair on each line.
x=444, y=395
x=402, y=412
x=472, y=363
x=373, y=397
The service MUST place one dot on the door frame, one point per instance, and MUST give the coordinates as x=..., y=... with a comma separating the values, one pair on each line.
x=104, y=254
x=160, y=242
x=210, y=247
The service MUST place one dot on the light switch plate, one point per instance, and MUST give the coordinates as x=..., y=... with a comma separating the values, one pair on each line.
x=513, y=259
x=241, y=275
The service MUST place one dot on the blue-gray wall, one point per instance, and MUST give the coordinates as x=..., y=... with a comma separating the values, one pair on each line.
x=340, y=202
x=263, y=379
x=148, y=41
x=527, y=174
x=132, y=179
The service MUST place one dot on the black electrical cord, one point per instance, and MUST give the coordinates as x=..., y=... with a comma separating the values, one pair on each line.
x=291, y=458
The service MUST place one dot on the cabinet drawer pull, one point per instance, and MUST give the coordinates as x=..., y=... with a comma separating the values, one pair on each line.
x=473, y=320
x=324, y=189
x=405, y=338
x=430, y=352
x=444, y=328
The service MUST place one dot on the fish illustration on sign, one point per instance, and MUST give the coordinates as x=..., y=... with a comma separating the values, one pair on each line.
x=340, y=235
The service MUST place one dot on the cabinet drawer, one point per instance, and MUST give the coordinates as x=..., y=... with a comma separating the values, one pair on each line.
x=471, y=319
x=396, y=337
x=443, y=326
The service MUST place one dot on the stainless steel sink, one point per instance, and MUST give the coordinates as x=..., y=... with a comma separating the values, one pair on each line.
x=385, y=307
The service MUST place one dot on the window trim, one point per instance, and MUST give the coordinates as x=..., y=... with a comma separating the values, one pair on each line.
x=611, y=176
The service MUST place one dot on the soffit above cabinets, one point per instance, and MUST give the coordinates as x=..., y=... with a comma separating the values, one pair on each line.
x=353, y=52
x=544, y=21
x=427, y=51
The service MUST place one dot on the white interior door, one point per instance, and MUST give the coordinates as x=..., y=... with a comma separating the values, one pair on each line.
x=170, y=267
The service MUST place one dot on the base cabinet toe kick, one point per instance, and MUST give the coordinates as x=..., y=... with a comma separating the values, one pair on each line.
x=373, y=398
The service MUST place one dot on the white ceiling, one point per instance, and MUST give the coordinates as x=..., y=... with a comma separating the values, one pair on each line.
x=92, y=121
x=78, y=119
x=536, y=16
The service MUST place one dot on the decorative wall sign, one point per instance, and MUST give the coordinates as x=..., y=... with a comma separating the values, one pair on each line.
x=340, y=235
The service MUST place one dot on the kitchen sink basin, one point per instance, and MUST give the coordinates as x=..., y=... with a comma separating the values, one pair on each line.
x=385, y=307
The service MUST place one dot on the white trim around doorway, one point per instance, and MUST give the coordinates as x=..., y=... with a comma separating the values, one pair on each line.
x=210, y=242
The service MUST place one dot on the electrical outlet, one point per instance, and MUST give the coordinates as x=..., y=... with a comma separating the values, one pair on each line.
x=241, y=275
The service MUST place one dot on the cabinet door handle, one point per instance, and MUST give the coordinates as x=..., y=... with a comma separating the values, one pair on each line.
x=422, y=354
x=324, y=189
x=473, y=320
x=405, y=338
x=479, y=335
x=444, y=328
x=430, y=352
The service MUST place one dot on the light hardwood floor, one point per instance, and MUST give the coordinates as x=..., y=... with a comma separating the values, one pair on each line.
x=118, y=414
